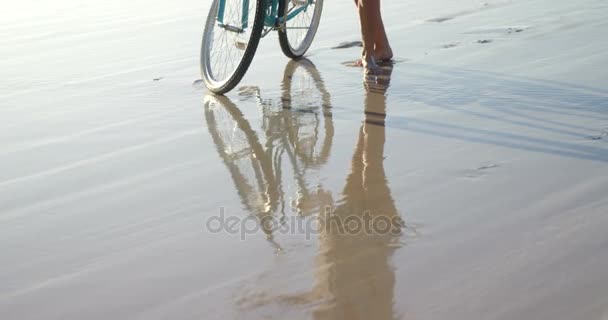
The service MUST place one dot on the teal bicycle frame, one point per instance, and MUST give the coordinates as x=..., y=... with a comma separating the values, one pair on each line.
x=272, y=19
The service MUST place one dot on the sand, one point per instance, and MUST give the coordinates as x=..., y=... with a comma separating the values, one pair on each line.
x=485, y=146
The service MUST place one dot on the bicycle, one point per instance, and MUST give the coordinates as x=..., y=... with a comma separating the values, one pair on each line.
x=231, y=36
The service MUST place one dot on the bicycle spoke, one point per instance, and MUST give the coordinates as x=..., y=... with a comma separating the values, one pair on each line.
x=298, y=26
x=229, y=40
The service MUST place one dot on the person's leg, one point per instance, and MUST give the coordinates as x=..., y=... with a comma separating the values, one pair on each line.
x=382, y=50
x=369, y=29
x=375, y=41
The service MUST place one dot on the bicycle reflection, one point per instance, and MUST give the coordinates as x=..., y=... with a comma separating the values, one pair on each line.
x=354, y=278
x=300, y=132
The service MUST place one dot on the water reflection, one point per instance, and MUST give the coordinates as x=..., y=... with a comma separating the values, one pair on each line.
x=354, y=278
x=296, y=134
x=354, y=275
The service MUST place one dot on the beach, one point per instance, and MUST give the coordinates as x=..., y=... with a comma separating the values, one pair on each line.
x=129, y=191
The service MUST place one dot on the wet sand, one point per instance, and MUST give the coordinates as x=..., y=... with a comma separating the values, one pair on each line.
x=484, y=148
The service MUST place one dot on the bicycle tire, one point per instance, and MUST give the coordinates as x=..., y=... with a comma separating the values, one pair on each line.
x=317, y=156
x=224, y=86
x=284, y=38
x=218, y=108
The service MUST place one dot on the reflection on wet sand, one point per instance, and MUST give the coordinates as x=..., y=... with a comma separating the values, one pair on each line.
x=296, y=134
x=354, y=278
x=354, y=274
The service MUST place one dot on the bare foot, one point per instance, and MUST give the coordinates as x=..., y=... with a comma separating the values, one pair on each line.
x=370, y=65
x=383, y=54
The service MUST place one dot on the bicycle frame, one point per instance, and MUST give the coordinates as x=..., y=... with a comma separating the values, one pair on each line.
x=272, y=19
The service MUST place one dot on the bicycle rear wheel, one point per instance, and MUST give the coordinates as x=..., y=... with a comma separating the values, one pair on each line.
x=230, y=39
x=301, y=21
x=311, y=127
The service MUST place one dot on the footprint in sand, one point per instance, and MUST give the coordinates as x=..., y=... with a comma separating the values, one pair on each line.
x=450, y=45
x=516, y=30
x=440, y=19
x=198, y=83
x=349, y=44
x=600, y=136
x=455, y=15
x=480, y=171
x=497, y=30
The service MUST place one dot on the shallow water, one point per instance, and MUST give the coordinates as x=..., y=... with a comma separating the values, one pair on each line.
x=486, y=162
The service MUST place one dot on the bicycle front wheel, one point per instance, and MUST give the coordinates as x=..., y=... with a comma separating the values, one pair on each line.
x=230, y=39
x=300, y=23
